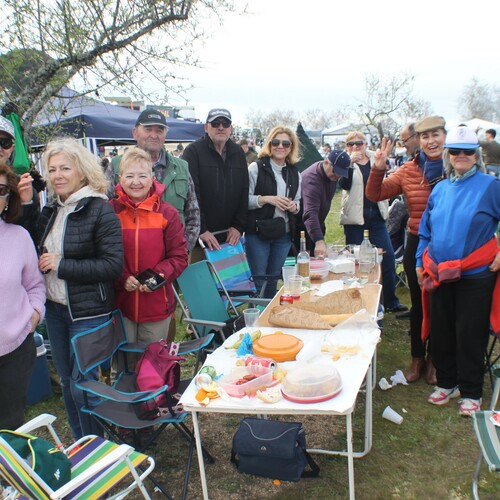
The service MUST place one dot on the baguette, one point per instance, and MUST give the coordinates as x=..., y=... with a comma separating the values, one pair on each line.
x=340, y=302
x=335, y=319
x=290, y=317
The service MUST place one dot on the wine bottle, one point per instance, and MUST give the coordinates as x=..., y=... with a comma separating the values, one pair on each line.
x=304, y=261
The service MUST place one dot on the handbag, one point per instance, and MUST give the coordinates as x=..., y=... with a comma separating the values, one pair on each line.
x=273, y=449
x=269, y=229
x=50, y=463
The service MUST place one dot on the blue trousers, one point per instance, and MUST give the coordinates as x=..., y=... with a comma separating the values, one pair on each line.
x=61, y=328
x=266, y=257
x=380, y=238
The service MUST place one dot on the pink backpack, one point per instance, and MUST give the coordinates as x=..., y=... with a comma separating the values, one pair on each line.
x=159, y=365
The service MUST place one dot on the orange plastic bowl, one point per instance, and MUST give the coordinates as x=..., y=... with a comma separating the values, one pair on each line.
x=280, y=347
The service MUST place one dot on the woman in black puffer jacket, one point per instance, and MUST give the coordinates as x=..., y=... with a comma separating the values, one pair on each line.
x=81, y=253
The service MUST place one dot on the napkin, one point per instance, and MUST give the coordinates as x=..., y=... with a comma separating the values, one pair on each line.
x=329, y=287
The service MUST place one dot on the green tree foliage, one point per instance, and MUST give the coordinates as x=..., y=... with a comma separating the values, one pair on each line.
x=308, y=152
x=96, y=44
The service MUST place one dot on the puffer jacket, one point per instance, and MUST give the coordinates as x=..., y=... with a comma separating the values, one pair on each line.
x=92, y=255
x=407, y=180
x=153, y=238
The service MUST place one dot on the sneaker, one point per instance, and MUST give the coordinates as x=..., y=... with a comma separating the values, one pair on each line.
x=442, y=396
x=467, y=406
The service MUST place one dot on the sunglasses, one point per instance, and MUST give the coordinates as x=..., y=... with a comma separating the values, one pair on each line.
x=466, y=152
x=277, y=142
x=4, y=191
x=6, y=142
x=355, y=143
x=218, y=123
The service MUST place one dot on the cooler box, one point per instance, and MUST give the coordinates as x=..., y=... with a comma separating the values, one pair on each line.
x=40, y=387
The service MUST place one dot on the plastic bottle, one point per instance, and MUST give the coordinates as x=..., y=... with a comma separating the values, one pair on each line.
x=304, y=261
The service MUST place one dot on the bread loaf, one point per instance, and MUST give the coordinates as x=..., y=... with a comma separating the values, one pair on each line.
x=289, y=317
x=340, y=302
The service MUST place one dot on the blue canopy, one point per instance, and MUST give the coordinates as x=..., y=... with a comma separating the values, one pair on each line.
x=84, y=117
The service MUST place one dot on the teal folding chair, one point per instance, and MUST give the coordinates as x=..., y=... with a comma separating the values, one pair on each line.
x=488, y=436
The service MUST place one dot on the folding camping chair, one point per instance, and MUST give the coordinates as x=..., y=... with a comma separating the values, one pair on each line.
x=97, y=467
x=396, y=227
x=202, y=301
x=230, y=262
x=492, y=356
x=488, y=436
x=117, y=404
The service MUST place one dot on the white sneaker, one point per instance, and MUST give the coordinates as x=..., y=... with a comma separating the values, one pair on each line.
x=442, y=396
x=467, y=406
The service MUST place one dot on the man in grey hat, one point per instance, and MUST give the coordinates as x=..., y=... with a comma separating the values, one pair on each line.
x=150, y=132
x=220, y=174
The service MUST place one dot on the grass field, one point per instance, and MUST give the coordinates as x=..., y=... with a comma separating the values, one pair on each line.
x=431, y=455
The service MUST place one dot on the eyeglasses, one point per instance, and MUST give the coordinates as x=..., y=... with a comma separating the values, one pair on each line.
x=355, y=143
x=466, y=152
x=218, y=123
x=277, y=142
x=6, y=142
x=4, y=191
x=404, y=141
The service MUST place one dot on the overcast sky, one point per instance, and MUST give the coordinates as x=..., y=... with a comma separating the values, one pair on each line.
x=294, y=54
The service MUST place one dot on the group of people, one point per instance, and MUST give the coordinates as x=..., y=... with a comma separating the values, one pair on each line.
x=91, y=249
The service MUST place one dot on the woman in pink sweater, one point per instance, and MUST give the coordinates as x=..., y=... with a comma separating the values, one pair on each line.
x=22, y=304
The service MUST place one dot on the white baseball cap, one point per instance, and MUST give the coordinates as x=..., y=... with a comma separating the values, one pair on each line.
x=7, y=127
x=461, y=138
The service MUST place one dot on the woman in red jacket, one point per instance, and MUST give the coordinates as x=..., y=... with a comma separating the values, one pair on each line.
x=415, y=180
x=153, y=238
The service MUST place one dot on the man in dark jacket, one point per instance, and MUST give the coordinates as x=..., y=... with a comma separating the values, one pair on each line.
x=319, y=183
x=219, y=171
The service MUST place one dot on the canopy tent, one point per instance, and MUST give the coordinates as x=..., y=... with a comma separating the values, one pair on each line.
x=100, y=122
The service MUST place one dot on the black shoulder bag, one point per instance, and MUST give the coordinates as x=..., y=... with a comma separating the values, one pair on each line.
x=273, y=449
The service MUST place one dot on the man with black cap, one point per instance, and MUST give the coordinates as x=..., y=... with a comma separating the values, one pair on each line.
x=220, y=174
x=319, y=183
x=150, y=132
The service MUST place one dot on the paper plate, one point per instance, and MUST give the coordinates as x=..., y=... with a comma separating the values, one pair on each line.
x=280, y=347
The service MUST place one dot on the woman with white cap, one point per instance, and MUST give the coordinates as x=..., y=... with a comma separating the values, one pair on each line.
x=458, y=259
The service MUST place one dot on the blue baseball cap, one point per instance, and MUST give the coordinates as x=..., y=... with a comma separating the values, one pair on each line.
x=340, y=161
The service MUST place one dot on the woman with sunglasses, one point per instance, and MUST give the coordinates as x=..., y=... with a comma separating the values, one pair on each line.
x=415, y=180
x=274, y=199
x=458, y=259
x=81, y=254
x=359, y=213
x=22, y=306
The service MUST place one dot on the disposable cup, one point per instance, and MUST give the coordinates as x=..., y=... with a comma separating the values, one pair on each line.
x=295, y=286
x=251, y=316
x=364, y=269
x=287, y=271
x=392, y=415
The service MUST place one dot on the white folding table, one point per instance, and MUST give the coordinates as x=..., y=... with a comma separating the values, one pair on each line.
x=353, y=370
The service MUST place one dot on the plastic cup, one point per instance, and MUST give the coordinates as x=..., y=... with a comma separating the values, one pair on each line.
x=287, y=271
x=251, y=316
x=295, y=286
x=392, y=415
x=365, y=267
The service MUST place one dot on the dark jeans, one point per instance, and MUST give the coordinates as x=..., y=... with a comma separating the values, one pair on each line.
x=61, y=329
x=460, y=324
x=380, y=238
x=416, y=315
x=16, y=369
x=266, y=257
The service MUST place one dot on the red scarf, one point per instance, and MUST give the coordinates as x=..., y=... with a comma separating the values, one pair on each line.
x=451, y=270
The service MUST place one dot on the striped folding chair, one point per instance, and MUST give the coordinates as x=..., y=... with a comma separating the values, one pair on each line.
x=97, y=467
x=488, y=436
x=231, y=265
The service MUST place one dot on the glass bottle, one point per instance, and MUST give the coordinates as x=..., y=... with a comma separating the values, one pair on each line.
x=304, y=261
x=366, y=253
